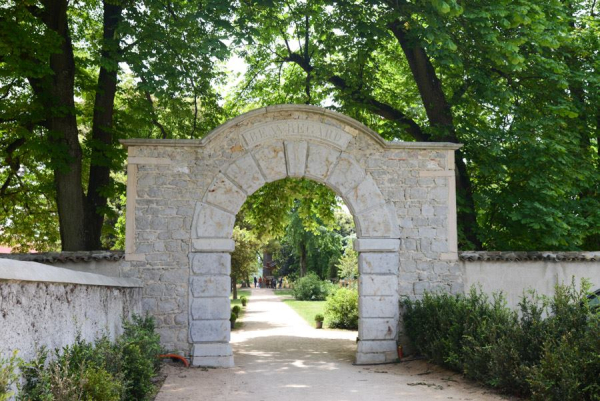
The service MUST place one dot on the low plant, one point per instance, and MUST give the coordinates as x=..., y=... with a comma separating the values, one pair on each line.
x=243, y=300
x=233, y=317
x=319, y=317
x=8, y=376
x=103, y=371
x=548, y=350
x=236, y=309
x=311, y=288
x=341, y=309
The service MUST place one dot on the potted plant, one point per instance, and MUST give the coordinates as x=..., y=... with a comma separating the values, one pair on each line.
x=244, y=300
x=232, y=319
x=236, y=309
x=319, y=320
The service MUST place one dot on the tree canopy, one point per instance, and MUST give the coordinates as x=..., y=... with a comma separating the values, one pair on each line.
x=517, y=82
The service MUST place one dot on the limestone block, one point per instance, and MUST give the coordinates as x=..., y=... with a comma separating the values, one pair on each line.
x=246, y=174
x=320, y=161
x=377, y=222
x=376, y=245
x=210, y=330
x=271, y=159
x=378, y=263
x=212, y=349
x=212, y=222
x=380, y=307
x=210, y=308
x=363, y=358
x=211, y=263
x=209, y=286
x=346, y=175
x=213, y=361
x=377, y=329
x=364, y=196
x=213, y=245
x=296, y=158
x=377, y=346
x=377, y=285
x=225, y=194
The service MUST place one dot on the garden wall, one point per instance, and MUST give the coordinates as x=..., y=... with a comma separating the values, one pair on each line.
x=514, y=273
x=43, y=305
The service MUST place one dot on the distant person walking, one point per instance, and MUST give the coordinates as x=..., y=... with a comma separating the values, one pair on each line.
x=260, y=282
x=255, y=281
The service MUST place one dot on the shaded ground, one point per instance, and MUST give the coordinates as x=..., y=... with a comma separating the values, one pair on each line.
x=278, y=356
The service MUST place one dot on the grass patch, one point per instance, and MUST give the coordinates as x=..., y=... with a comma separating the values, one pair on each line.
x=284, y=292
x=240, y=293
x=307, y=309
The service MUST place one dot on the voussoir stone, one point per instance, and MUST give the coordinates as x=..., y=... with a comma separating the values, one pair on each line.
x=211, y=222
x=224, y=193
x=321, y=160
x=246, y=174
x=295, y=153
x=271, y=159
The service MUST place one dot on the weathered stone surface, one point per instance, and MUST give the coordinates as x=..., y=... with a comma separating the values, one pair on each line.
x=376, y=245
x=210, y=330
x=346, y=175
x=271, y=159
x=212, y=349
x=377, y=329
x=321, y=160
x=213, y=245
x=246, y=174
x=365, y=196
x=377, y=223
x=377, y=285
x=378, y=263
x=209, y=286
x=211, y=263
x=363, y=358
x=295, y=153
x=225, y=194
x=211, y=222
x=210, y=308
x=377, y=346
x=213, y=361
x=382, y=307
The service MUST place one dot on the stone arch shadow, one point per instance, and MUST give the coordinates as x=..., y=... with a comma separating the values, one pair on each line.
x=316, y=152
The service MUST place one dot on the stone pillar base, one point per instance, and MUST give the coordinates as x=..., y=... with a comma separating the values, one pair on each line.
x=214, y=355
x=376, y=351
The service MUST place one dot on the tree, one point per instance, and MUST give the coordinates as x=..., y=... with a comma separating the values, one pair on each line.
x=244, y=259
x=516, y=82
x=60, y=65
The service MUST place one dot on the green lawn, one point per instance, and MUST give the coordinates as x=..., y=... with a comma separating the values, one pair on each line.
x=240, y=293
x=284, y=292
x=307, y=309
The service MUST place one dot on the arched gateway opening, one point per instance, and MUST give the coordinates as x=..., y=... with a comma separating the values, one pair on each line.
x=183, y=196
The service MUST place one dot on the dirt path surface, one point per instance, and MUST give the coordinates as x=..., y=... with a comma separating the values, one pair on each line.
x=279, y=357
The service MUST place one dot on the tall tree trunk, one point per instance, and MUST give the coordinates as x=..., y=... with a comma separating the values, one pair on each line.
x=439, y=114
x=57, y=95
x=234, y=286
x=102, y=126
x=302, y=259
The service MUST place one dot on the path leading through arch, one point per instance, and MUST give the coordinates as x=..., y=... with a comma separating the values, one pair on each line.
x=280, y=357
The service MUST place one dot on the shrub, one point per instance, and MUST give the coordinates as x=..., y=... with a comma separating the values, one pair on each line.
x=310, y=288
x=341, y=309
x=546, y=358
x=319, y=317
x=7, y=376
x=103, y=371
x=233, y=317
x=243, y=300
x=236, y=309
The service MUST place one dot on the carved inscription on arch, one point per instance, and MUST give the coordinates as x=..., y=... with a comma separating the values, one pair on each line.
x=297, y=129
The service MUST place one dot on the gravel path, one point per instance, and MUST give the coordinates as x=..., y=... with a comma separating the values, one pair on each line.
x=279, y=357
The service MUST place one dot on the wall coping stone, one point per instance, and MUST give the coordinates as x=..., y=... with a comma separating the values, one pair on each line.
x=15, y=270
x=62, y=257
x=531, y=256
x=297, y=108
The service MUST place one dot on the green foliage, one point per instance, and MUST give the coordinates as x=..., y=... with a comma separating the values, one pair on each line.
x=8, y=376
x=341, y=309
x=319, y=317
x=100, y=371
x=244, y=257
x=236, y=309
x=243, y=300
x=233, y=317
x=549, y=350
x=347, y=265
x=310, y=288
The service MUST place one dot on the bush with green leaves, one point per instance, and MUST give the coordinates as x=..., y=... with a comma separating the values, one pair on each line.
x=341, y=309
x=236, y=309
x=100, y=371
x=311, y=288
x=548, y=350
x=8, y=376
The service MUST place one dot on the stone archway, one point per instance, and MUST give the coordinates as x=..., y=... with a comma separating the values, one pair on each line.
x=395, y=191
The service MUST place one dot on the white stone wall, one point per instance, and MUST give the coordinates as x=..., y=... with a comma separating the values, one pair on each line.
x=514, y=278
x=183, y=197
x=48, y=306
